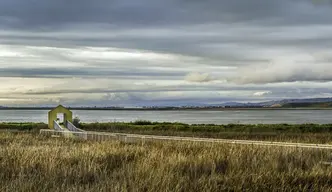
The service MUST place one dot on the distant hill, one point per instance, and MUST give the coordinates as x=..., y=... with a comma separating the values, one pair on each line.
x=287, y=103
x=308, y=105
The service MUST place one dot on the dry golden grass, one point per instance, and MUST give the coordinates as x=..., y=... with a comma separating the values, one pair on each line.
x=34, y=163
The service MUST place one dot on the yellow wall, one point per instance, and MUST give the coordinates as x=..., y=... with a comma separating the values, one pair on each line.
x=52, y=115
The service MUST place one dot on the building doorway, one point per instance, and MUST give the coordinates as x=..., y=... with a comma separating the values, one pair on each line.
x=60, y=117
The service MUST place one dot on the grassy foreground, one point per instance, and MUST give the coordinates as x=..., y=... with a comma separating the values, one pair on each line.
x=308, y=133
x=30, y=162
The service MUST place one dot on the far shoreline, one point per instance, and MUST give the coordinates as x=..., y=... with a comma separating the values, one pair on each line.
x=166, y=109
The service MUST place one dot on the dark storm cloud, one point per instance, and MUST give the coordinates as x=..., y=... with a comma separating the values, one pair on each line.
x=207, y=29
x=84, y=72
x=41, y=14
x=189, y=27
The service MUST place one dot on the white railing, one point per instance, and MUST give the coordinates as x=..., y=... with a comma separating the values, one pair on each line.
x=134, y=138
x=61, y=130
x=58, y=127
x=71, y=127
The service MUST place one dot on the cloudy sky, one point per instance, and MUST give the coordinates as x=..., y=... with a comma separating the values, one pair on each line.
x=163, y=52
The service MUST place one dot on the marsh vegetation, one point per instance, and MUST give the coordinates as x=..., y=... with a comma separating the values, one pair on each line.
x=30, y=162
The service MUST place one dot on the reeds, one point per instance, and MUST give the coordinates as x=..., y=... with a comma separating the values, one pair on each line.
x=34, y=163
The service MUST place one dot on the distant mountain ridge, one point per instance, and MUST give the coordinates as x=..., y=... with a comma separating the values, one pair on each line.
x=279, y=102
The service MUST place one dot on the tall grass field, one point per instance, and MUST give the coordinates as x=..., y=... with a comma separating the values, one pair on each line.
x=30, y=162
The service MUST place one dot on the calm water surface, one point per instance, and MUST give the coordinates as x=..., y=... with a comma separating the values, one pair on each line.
x=191, y=117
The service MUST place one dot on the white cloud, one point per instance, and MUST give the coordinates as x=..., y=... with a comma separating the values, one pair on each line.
x=198, y=77
x=284, y=72
x=262, y=93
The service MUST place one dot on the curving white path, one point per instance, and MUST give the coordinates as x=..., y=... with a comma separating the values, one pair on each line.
x=100, y=136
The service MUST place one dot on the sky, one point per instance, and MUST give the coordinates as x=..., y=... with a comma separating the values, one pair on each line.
x=157, y=52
